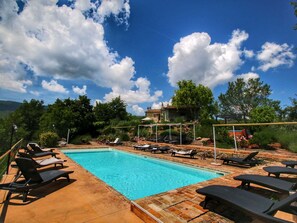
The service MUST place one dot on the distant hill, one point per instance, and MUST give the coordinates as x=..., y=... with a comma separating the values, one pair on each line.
x=6, y=107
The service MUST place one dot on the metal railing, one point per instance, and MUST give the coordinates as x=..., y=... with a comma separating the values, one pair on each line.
x=8, y=157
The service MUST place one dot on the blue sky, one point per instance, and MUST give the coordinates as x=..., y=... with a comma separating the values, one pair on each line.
x=139, y=50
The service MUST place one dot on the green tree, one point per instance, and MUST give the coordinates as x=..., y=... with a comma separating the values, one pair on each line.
x=291, y=111
x=243, y=96
x=76, y=115
x=83, y=114
x=114, y=110
x=198, y=99
x=58, y=118
x=27, y=117
x=263, y=114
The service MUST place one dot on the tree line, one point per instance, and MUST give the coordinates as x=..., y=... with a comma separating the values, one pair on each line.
x=32, y=118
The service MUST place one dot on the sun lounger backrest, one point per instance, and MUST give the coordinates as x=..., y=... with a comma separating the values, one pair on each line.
x=282, y=204
x=24, y=155
x=194, y=151
x=250, y=156
x=116, y=140
x=35, y=147
x=28, y=169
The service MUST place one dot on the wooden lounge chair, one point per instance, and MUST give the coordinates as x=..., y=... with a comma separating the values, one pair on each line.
x=33, y=179
x=142, y=147
x=36, y=148
x=265, y=181
x=254, y=205
x=278, y=170
x=191, y=153
x=117, y=141
x=43, y=162
x=36, y=154
x=162, y=149
x=249, y=160
x=290, y=163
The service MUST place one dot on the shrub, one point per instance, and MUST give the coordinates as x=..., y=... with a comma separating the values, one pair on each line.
x=83, y=139
x=124, y=137
x=49, y=139
x=204, y=131
x=264, y=138
x=288, y=139
x=223, y=139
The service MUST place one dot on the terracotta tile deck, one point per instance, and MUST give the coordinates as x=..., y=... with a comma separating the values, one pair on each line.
x=88, y=199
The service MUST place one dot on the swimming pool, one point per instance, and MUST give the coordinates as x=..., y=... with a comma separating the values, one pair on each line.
x=137, y=176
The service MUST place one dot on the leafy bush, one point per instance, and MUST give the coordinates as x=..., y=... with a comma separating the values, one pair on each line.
x=124, y=137
x=166, y=132
x=223, y=139
x=288, y=139
x=264, y=138
x=143, y=132
x=204, y=131
x=49, y=139
x=83, y=139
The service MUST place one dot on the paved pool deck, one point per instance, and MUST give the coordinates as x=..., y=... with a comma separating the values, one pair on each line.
x=88, y=199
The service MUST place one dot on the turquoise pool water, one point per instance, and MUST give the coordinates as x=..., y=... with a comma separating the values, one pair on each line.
x=137, y=176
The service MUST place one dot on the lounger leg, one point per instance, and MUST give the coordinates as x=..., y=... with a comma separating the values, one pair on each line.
x=206, y=201
x=25, y=194
x=68, y=179
x=8, y=196
x=242, y=184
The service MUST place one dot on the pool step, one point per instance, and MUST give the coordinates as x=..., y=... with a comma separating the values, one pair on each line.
x=144, y=214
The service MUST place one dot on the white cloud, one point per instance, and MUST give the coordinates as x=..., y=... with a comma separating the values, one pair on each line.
x=248, y=53
x=54, y=86
x=97, y=101
x=137, y=110
x=115, y=8
x=80, y=91
x=141, y=93
x=160, y=104
x=274, y=55
x=83, y=5
x=36, y=93
x=60, y=43
x=195, y=58
x=12, y=75
x=247, y=76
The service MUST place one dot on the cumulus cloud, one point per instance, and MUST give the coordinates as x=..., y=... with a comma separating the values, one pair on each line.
x=247, y=76
x=12, y=75
x=54, y=86
x=195, y=58
x=274, y=55
x=83, y=5
x=96, y=101
x=80, y=91
x=137, y=110
x=158, y=105
x=64, y=43
x=248, y=53
x=139, y=94
x=115, y=8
